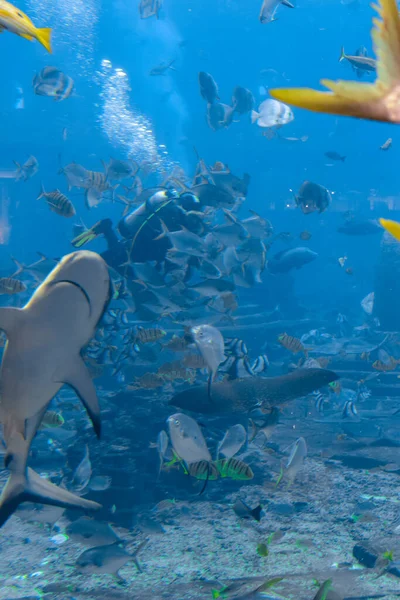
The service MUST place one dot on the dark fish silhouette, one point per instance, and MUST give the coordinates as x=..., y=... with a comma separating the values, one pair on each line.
x=241, y=395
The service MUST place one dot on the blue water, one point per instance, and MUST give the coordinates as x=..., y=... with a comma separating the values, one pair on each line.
x=225, y=39
x=118, y=111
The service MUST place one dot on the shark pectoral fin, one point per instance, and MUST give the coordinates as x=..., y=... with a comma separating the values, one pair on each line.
x=34, y=488
x=40, y=490
x=78, y=378
x=8, y=319
x=33, y=423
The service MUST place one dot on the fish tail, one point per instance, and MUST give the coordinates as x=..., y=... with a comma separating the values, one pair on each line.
x=33, y=488
x=393, y=227
x=165, y=231
x=42, y=193
x=44, y=37
x=342, y=54
x=20, y=266
x=254, y=116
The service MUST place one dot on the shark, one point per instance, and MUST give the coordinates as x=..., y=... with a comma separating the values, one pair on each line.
x=44, y=341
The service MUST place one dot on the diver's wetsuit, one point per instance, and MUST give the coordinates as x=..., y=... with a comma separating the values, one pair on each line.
x=116, y=253
x=140, y=228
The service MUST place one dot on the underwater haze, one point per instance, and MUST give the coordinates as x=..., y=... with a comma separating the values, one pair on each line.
x=199, y=291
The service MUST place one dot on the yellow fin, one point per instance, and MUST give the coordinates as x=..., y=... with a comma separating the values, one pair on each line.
x=386, y=37
x=393, y=227
x=352, y=90
x=379, y=101
x=44, y=37
x=325, y=102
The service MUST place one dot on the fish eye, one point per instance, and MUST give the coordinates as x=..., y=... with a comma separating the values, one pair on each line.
x=176, y=422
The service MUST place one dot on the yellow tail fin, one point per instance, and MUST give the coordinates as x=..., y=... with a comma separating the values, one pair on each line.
x=378, y=101
x=392, y=227
x=44, y=37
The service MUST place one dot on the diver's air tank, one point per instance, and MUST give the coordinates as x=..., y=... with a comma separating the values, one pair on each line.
x=129, y=225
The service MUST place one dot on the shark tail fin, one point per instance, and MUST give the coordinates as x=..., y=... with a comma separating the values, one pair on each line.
x=34, y=488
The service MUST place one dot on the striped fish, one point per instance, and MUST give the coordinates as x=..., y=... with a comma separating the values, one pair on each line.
x=11, y=286
x=379, y=365
x=97, y=180
x=291, y=343
x=320, y=400
x=349, y=410
x=236, y=367
x=261, y=364
x=148, y=336
x=52, y=419
x=58, y=203
x=203, y=470
x=234, y=469
x=235, y=347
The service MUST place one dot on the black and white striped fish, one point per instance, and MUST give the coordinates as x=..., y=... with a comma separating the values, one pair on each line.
x=58, y=203
x=236, y=367
x=349, y=410
x=235, y=347
x=261, y=364
x=320, y=400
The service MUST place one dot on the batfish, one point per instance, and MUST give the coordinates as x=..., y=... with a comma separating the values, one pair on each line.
x=42, y=354
x=241, y=395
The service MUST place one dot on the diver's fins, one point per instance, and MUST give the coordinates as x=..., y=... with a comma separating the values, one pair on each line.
x=84, y=238
x=368, y=101
x=34, y=488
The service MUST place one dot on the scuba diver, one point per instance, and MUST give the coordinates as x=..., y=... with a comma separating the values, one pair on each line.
x=139, y=237
x=140, y=230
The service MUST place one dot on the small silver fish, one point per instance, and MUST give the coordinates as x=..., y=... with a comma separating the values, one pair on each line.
x=232, y=442
x=187, y=439
x=83, y=473
x=210, y=343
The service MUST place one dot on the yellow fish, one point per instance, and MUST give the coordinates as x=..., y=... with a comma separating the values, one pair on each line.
x=392, y=227
x=14, y=20
x=379, y=101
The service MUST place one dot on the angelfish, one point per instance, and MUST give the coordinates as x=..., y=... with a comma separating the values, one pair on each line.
x=210, y=343
x=45, y=338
